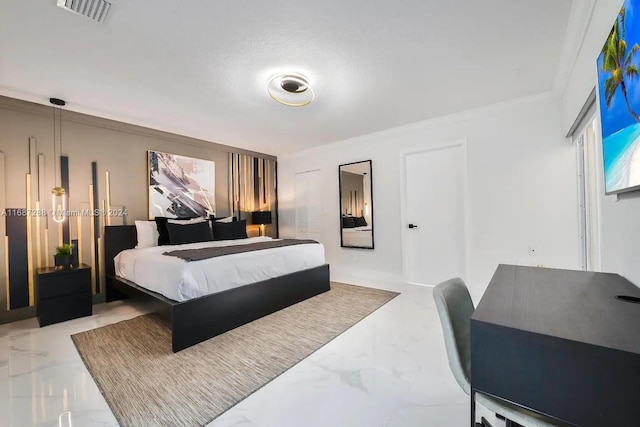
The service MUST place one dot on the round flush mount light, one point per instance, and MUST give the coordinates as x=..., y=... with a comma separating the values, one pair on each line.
x=290, y=89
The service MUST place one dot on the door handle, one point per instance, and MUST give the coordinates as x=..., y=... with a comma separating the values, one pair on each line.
x=413, y=226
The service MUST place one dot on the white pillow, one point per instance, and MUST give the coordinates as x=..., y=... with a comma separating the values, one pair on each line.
x=147, y=234
x=186, y=221
x=227, y=219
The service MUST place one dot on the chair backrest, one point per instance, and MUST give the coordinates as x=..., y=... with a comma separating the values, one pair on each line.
x=455, y=308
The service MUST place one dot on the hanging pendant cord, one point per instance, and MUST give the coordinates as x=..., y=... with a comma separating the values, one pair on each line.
x=55, y=172
x=60, y=130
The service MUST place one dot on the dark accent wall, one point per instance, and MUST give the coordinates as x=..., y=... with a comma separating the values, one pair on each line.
x=18, y=275
x=96, y=221
x=352, y=188
x=64, y=181
x=92, y=147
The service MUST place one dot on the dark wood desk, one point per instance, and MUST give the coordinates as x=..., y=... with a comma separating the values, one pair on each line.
x=559, y=343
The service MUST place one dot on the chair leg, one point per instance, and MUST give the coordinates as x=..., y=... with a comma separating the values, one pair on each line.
x=508, y=422
x=473, y=407
x=485, y=423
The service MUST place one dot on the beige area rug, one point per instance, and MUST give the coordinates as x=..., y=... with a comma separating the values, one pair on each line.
x=145, y=384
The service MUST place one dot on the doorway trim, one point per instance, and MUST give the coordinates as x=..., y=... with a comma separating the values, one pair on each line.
x=462, y=142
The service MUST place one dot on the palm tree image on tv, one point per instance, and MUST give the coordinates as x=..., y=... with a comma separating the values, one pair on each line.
x=619, y=91
x=618, y=61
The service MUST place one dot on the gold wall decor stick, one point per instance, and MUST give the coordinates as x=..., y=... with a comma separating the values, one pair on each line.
x=108, y=191
x=79, y=248
x=46, y=246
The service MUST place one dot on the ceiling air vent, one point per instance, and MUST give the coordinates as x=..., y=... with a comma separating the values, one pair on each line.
x=96, y=10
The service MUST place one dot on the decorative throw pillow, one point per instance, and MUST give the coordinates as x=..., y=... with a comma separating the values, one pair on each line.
x=229, y=230
x=225, y=219
x=194, y=232
x=163, y=233
x=359, y=221
x=147, y=234
x=348, y=222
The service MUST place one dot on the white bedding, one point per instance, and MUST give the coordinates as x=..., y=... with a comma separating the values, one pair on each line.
x=180, y=280
x=356, y=229
x=357, y=236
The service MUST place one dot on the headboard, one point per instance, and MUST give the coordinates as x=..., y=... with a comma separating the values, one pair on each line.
x=117, y=238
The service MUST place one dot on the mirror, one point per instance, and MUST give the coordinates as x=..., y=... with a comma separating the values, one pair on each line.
x=356, y=205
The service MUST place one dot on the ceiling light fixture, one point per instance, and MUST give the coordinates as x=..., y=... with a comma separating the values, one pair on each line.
x=290, y=89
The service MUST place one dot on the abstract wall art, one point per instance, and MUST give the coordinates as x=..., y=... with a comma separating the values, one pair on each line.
x=180, y=186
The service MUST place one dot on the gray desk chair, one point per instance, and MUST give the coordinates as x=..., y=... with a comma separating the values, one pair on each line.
x=455, y=308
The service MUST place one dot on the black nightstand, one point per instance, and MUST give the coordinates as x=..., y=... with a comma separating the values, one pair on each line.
x=63, y=293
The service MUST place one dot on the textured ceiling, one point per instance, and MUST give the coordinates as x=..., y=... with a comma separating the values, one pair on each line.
x=200, y=67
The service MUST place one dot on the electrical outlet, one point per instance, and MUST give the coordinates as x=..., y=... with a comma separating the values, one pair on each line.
x=532, y=250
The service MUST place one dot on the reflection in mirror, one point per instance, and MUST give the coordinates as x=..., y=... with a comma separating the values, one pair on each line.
x=356, y=205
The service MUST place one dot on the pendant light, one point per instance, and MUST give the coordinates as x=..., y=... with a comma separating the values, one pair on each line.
x=58, y=194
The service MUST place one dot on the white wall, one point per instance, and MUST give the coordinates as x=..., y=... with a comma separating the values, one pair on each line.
x=522, y=190
x=584, y=72
x=620, y=224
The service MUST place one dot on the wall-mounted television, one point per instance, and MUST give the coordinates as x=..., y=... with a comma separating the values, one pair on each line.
x=619, y=98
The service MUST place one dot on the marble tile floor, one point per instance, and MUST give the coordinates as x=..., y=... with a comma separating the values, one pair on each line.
x=390, y=369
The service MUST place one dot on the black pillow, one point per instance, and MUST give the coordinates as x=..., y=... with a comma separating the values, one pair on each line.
x=189, y=233
x=229, y=230
x=348, y=222
x=163, y=233
x=359, y=221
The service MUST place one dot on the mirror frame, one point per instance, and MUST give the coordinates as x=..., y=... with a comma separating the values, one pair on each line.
x=342, y=244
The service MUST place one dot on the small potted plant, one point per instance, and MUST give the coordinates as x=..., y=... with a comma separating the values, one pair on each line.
x=63, y=255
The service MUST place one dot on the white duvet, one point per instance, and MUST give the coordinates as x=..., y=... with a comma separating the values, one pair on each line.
x=357, y=236
x=180, y=280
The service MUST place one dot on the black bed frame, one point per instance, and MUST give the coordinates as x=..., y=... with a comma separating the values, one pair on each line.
x=199, y=319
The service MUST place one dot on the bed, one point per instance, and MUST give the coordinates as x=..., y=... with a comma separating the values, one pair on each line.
x=361, y=237
x=193, y=313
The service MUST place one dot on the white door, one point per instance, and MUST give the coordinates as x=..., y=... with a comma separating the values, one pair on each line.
x=435, y=230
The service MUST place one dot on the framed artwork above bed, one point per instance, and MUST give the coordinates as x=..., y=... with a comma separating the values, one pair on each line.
x=180, y=186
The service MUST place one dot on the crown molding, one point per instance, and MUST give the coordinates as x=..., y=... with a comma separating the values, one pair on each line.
x=580, y=19
x=448, y=120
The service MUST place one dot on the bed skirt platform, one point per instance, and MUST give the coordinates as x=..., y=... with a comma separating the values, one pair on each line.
x=199, y=319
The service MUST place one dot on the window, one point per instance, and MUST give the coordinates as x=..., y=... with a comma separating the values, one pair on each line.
x=589, y=189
